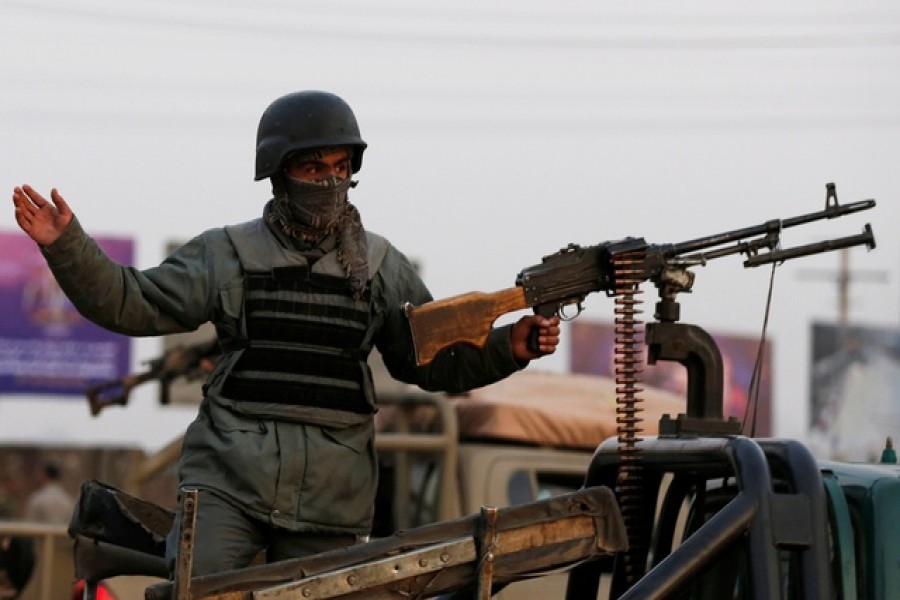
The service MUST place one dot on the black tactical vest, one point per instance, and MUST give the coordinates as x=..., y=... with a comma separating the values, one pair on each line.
x=307, y=337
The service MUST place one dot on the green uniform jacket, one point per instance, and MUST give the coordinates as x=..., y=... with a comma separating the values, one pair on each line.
x=290, y=472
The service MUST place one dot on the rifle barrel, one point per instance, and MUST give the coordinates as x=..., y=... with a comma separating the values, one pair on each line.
x=865, y=238
x=836, y=210
x=773, y=226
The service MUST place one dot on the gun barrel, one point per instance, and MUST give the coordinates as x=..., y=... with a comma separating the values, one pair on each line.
x=831, y=212
x=769, y=227
x=866, y=238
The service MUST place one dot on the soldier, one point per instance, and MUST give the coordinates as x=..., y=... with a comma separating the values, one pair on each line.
x=282, y=448
x=50, y=502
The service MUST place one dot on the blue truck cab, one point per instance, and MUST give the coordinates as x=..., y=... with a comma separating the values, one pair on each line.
x=864, y=507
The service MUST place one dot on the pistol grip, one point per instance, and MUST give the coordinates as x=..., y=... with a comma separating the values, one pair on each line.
x=546, y=311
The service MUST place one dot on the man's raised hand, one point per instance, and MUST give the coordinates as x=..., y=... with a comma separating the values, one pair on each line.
x=43, y=221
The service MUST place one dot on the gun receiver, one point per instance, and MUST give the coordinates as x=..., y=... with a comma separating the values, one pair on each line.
x=565, y=278
x=179, y=361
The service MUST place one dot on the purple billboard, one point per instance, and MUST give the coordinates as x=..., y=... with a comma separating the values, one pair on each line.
x=46, y=347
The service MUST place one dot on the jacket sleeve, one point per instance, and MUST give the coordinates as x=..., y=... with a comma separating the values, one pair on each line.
x=173, y=297
x=456, y=369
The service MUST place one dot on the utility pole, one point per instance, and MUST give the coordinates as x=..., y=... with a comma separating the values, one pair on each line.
x=844, y=277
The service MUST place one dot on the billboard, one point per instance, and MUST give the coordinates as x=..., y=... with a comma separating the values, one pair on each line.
x=854, y=390
x=593, y=351
x=46, y=346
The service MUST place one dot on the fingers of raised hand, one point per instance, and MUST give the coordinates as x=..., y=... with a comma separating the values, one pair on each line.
x=25, y=214
x=59, y=201
x=27, y=199
x=23, y=205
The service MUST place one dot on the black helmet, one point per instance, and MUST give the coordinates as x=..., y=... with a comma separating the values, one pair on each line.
x=304, y=120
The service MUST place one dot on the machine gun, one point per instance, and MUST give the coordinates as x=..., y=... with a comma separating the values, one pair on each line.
x=566, y=278
x=180, y=361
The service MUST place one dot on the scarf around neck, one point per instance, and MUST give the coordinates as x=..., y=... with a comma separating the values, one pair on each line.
x=311, y=211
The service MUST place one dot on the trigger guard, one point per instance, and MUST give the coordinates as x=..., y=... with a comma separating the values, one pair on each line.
x=562, y=312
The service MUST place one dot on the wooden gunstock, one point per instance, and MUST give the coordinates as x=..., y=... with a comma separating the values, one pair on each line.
x=464, y=319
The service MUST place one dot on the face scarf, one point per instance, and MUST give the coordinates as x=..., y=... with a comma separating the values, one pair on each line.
x=310, y=211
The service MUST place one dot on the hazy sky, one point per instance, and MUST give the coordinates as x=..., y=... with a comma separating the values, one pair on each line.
x=498, y=132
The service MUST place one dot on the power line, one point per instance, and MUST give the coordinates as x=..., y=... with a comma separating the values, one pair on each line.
x=465, y=124
x=518, y=13
x=434, y=31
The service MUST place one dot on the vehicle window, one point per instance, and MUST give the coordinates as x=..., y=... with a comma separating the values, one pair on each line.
x=518, y=488
x=546, y=484
x=554, y=484
x=402, y=502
